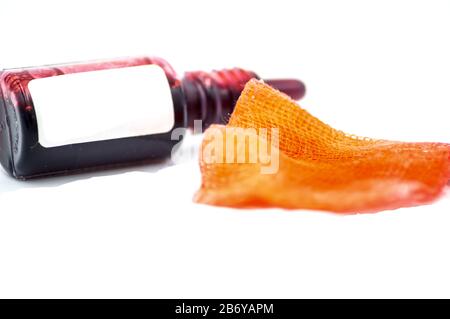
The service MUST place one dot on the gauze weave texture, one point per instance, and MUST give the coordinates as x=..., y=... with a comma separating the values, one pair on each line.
x=319, y=167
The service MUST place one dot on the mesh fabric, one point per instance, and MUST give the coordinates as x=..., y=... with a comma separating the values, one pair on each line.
x=319, y=167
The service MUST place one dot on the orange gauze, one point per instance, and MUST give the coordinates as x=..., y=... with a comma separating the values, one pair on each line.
x=318, y=167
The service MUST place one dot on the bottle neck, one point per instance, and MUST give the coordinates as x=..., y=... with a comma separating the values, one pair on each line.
x=211, y=96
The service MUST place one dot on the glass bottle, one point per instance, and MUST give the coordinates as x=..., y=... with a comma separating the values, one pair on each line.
x=66, y=118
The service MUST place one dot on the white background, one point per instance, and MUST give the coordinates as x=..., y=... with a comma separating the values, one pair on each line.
x=373, y=68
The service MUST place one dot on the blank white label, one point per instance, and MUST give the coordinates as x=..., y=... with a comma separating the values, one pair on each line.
x=101, y=105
